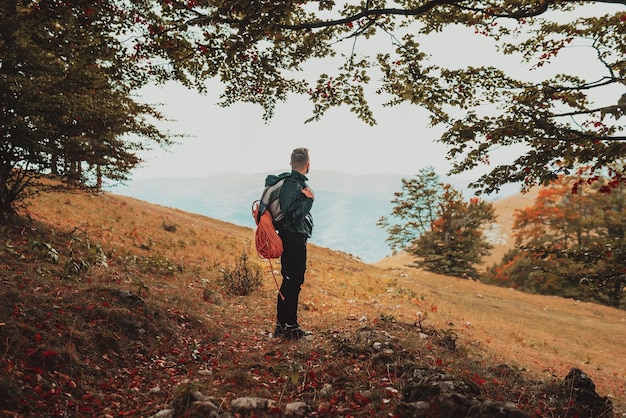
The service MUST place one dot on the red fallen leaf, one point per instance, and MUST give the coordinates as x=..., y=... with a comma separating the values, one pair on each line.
x=37, y=370
x=478, y=380
x=49, y=353
x=275, y=410
x=363, y=400
x=324, y=408
x=439, y=362
x=37, y=338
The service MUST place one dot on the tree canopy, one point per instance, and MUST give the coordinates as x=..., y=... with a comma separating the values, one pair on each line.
x=570, y=244
x=558, y=120
x=432, y=220
x=331, y=52
x=66, y=93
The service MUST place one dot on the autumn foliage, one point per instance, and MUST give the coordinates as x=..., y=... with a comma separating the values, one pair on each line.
x=570, y=242
x=434, y=222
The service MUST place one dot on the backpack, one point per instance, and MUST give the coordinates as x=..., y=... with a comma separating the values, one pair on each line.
x=269, y=217
x=270, y=199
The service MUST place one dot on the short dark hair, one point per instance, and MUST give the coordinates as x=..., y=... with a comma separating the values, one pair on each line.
x=299, y=158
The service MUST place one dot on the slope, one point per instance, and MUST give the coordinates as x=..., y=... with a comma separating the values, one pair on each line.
x=112, y=306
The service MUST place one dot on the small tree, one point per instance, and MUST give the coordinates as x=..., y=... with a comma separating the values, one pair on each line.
x=414, y=210
x=438, y=226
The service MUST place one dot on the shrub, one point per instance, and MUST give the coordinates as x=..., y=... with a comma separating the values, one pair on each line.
x=169, y=227
x=242, y=279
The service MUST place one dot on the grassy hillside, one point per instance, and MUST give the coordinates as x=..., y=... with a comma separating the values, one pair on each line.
x=113, y=307
x=505, y=210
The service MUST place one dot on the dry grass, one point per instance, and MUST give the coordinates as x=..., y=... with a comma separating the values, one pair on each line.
x=545, y=334
x=505, y=209
x=173, y=260
x=541, y=333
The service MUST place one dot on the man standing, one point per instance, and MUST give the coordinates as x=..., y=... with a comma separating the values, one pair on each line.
x=296, y=200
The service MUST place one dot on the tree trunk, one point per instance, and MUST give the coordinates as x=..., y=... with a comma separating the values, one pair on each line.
x=7, y=211
x=98, y=177
x=618, y=289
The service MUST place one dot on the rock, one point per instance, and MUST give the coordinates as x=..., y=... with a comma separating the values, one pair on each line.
x=412, y=409
x=249, y=403
x=166, y=413
x=494, y=409
x=196, y=395
x=297, y=409
x=455, y=404
x=427, y=383
x=578, y=381
x=326, y=390
x=203, y=409
x=575, y=396
x=431, y=391
x=579, y=392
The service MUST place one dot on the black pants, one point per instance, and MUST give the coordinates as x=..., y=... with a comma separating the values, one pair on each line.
x=293, y=263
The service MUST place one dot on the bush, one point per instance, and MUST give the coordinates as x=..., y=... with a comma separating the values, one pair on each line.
x=242, y=279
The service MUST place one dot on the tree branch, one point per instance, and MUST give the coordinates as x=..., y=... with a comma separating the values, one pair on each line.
x=536, y=10
x=581, y=136
x=605, y=109
x=373, y=13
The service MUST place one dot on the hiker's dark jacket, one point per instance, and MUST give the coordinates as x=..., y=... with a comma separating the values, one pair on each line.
x=295, y=205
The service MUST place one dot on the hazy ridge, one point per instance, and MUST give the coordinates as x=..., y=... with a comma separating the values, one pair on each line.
x=345, y=212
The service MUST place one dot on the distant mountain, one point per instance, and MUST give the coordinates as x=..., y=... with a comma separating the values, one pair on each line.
x=345, y=212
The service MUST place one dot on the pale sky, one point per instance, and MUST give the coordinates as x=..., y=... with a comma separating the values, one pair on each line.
x=236, y=139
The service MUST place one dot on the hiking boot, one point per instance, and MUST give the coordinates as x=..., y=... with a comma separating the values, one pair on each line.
x=290, y=332
x=278, y=332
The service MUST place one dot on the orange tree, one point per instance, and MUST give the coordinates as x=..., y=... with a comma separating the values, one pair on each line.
x=260, y=50
x=432, y=221
x=570, y=244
